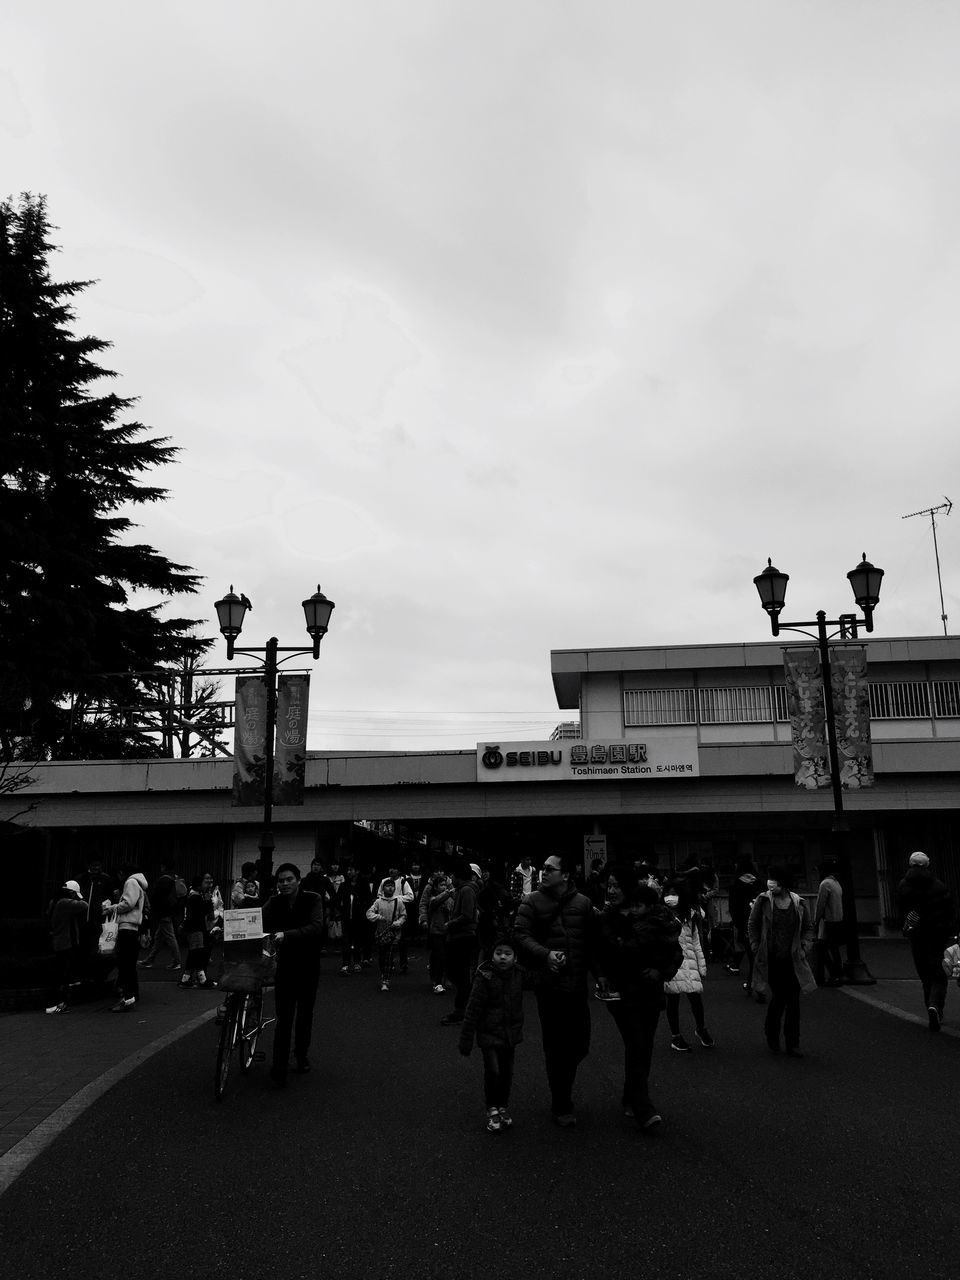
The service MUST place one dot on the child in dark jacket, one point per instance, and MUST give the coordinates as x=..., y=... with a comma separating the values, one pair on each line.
x=494, y=1015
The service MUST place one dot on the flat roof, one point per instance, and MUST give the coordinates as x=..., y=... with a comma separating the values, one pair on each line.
x=567, y=666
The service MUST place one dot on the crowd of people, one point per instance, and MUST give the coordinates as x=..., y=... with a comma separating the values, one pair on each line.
x=636, y=939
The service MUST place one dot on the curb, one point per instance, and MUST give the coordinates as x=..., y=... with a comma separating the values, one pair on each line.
x=16, y=1160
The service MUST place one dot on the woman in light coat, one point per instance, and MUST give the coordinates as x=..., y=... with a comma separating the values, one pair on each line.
x=688, y=980
x=781, y=935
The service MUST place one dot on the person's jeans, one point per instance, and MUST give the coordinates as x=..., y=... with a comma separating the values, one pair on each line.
x=637, y=1024
x=565, y=1030
x=295, y=995
x=435, y=941
x=164, y=935
x=784, y=1003
x=385, y=953
x=927, y=959
x=497, y=1074
x=126, y=955
x=460, y=952
x=673, y=1011
x=829, y=959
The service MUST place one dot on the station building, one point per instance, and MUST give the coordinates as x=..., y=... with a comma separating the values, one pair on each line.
x=683, y=751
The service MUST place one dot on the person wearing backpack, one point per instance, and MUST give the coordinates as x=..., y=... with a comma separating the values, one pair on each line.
x=164, y=902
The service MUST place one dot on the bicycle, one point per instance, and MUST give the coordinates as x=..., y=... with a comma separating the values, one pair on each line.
x=240, y=1032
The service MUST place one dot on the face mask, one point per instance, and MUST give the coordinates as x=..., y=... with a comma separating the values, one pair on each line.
x=773, y=886
x=671, y=899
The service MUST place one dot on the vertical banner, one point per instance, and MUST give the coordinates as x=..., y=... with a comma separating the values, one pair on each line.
x=249, y=740
x=290, y=755
x=808, y=725
x=851, y=708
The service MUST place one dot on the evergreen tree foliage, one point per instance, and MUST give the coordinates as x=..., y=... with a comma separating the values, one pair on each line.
x=72, y=469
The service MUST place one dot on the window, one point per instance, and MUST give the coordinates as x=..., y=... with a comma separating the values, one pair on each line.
x=659, y=706
x=946, y=699
x=736, y=706
x=899, y=700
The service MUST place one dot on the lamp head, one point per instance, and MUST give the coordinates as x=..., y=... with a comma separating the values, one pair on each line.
x=865, y=582
x=317, y=610
x=771, y=586
x=231, y=610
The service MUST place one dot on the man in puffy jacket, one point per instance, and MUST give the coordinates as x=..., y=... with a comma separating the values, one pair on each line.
x=557, y=933
x=929, y=921
x=164, y=902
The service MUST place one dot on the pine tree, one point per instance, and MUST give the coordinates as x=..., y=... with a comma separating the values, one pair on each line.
x=71, y=468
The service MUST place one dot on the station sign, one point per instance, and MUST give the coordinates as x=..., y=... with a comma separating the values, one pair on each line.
x=588, y=761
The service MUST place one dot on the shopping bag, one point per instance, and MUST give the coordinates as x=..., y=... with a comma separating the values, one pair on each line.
x=334, y=929
x=108, y=935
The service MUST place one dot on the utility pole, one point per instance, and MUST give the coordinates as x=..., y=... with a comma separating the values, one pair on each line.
x=946, y=506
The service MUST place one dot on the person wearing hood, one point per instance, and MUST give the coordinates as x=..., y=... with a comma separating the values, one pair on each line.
x=744, y=891
x=780, y=936
x=67, y=916
x=929, y=921
x=130, y=912
x=641, y=952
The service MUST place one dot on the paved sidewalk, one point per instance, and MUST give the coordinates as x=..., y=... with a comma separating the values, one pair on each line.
x=52, y=1066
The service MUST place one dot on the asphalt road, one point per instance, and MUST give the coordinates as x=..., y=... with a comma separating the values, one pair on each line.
x=376, y=1165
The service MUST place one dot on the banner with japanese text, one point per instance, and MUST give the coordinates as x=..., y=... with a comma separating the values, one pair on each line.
x=290, y=754
x=249, y=737
x=851, y=709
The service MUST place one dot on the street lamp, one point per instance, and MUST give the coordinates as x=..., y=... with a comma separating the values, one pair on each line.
x=231, y=611
x=864, y=581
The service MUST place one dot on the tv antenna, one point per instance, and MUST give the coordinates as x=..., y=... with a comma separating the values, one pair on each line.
x=946, y=506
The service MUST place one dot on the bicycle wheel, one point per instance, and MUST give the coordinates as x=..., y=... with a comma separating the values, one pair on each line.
x=228, y=1042
x=251, y=1021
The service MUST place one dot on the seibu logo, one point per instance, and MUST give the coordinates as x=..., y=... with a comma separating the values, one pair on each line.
x=493, y=758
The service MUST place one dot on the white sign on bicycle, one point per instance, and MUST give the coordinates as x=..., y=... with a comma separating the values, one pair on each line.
x=242, y=924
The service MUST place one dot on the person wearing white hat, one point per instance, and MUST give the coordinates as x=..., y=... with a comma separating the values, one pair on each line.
x=67, y=914
x=929, y=921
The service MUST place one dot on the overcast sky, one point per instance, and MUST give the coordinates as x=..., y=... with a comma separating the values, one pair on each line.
x=516, y=326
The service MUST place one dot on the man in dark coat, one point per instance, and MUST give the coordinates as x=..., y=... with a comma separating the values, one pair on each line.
x=293, y=918
x=557, y=933
x=929, y=921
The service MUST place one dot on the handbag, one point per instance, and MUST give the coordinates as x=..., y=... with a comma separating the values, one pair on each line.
x=951, y=961
x=108, y=935
x=334, y=929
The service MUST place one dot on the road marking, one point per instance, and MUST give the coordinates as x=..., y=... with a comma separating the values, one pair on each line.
x=14, y=1161
x=897, y=1013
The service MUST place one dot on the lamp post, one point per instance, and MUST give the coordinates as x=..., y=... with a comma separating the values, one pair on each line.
x=231, y=611
x=865, y=582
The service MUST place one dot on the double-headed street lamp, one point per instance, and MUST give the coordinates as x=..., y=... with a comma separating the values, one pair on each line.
x=231, y=611
x=865, y=582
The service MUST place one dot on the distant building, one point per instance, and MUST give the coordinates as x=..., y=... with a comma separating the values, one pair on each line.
x=568, y=729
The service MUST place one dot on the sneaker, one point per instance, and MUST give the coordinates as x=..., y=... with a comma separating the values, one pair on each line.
x=173, y=968
x=366, y=963
x=651, y=1120
x=57, y=1008
x=384, y=986
x=506, y=1119
x=186, y=981
x=344, y=968
x=451, y=1019
x=732, y=968
x=705, y=1038
x=606, y=996
x=144, y=964
x=357, y=968
x=439, y=989
x=628, y=1111
x=933, y=1018
x=494, y=1122
x=679, y=1044
x=122, y=1005
x=566, y=1121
